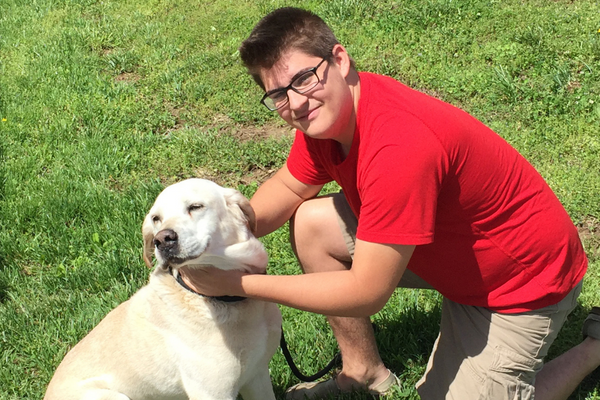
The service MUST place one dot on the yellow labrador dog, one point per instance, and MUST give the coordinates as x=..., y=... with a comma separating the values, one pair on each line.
x=168, y=342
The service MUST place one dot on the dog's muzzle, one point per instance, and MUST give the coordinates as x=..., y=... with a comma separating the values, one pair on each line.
x=166, y=241
x=167, y=244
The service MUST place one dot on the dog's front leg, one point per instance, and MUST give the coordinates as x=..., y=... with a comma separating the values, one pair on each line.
x=259, y=388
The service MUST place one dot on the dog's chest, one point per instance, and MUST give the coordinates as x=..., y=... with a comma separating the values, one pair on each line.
x=210, y=328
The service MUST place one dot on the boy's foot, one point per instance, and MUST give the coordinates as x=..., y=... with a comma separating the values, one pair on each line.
x=328, y=389
x=591, y=325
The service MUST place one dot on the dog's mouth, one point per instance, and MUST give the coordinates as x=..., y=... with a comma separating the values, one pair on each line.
x=176, y=260
x=178, y=254
x=179, y=260
x=248, y=256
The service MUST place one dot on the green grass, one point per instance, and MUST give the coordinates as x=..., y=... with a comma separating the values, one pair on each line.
x=103, y=103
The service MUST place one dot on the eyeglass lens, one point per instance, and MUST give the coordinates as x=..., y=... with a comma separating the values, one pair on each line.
x=301, y=84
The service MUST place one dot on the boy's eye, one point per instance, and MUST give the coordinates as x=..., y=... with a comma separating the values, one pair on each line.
x=278, y=96
x=303, y=80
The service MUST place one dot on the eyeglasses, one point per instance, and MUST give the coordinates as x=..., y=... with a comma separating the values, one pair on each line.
x=306, y=81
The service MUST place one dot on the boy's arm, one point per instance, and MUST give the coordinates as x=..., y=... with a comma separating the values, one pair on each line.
x=361, y=291
x=277, y=199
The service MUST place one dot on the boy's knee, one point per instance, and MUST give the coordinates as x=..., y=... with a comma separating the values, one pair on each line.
x=316, y=236
x=307, y=221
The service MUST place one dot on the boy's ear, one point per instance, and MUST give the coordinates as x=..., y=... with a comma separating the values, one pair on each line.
x=342, y=59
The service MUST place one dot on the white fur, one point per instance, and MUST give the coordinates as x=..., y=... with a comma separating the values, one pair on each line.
x=168, y=343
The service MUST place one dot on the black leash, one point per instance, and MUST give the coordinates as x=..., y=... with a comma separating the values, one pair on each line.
x=284, y=348
x=288, y=357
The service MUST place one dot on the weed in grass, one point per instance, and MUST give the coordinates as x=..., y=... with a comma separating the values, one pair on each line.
x=561, y=78
x=532, y=36
x=507, y=83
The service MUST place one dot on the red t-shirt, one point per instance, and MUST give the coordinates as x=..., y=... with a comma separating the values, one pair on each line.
x=489, y=230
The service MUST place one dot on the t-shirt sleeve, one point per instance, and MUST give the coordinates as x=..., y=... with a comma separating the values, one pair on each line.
x=400, y=185
x=304, y=162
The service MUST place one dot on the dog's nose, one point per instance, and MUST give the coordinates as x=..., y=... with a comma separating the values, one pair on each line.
x=165, y=240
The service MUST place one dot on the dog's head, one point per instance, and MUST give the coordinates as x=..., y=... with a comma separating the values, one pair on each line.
x=197, y=222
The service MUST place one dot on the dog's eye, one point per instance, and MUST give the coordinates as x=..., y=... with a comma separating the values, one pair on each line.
x=155, y=219
x=194, y=207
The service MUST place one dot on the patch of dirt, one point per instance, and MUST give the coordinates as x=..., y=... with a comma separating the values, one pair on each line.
x=589, y=228
x=262, y=132
x=227, y=126
x=256, y=133
x=179, y=121
x=252, y=132
x=211, y=175
x=127, y=77
x=256, y=175
x=433, y=93
x=573, y=85
x=589, y=233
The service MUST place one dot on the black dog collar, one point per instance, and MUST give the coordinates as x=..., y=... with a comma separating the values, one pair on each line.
x=226, y=299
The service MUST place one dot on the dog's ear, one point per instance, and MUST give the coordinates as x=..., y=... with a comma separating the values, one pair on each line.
x=236, y=200
x=148, y=236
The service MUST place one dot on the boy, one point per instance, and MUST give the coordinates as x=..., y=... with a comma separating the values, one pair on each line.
x=431, y=198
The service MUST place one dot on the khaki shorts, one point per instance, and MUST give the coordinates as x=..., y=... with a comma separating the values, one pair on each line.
x=480, y=354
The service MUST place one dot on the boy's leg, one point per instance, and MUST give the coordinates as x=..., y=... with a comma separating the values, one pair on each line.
x=320, y=246
x=484, y=355
x=348, y=224
x=561, y=376
x=323, y=234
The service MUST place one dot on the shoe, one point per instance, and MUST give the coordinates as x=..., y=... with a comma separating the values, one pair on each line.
x=313, y=390
x=591, y=325
x=328, y=389
x=386, y=386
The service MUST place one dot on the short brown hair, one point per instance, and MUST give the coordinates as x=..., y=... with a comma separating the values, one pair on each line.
x=281, y=30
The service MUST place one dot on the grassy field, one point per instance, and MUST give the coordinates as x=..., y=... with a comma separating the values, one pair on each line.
x=103, y=103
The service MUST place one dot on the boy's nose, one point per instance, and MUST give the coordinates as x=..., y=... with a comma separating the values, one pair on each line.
x=296, y=100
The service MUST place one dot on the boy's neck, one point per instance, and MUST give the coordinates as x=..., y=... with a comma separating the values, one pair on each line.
x=354, y=84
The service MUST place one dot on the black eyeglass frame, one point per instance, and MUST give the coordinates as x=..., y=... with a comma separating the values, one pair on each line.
x=285, y=90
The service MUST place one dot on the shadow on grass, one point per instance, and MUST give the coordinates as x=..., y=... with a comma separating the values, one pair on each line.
x=407, y=339
x=4, y=286
x=405, y=342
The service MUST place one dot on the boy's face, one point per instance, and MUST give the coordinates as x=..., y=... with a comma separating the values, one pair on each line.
x=325, y=112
